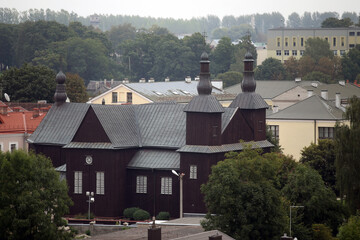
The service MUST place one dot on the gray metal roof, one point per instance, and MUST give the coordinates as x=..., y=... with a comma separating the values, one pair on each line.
x=155, y=159
x=89, y=145
x=312, y=108
x=225, y=147
x=61, y=168
x=346, y=91
x=249, y=100
x=60, y=124
x=226, y=117
x=204, y=104
x=269, y=89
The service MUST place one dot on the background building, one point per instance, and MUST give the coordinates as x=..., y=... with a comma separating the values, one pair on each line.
x=290, y=42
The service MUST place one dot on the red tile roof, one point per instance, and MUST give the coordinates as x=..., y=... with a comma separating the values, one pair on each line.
x=20, y=122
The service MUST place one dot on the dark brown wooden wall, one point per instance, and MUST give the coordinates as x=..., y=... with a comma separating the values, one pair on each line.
x=113, y=164
x=52, y=152
x=203, y=128
x=193, y=199
x=153, y=201
x=90, y=129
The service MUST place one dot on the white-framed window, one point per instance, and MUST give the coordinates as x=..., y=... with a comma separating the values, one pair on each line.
x=335, y=52
x=302, y=52
x=13, y=146
x=286, y=53
x=342, y=52
x=193, y=172
x=100, y=183
x=294, y=52
x=166, y=185
x=278, y=52
x=78, y=182
x=114, y=97
x=326, y=132
x=274, y=131
x=141, y=184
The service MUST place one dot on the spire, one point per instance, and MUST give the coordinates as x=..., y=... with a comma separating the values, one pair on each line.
x=204, y=87
x=248, y=84
x=60, y=93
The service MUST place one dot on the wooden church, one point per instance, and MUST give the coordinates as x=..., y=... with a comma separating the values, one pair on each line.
x=125, y=154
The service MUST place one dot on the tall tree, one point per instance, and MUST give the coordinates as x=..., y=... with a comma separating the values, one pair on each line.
x=75, y=88
x=222, y=56
x=270, y=69
x=33, y=200
x=351, y=63
x=230, y=78
x=317, y=48
x=335, y=23
x=347, y=154
x=29, y=83
x=294, y=20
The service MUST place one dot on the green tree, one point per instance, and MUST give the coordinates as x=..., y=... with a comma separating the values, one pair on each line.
x=321, y=232
x=294, y=20
x=222, y=57
x=306, y=188
x=317, y=48
x=33, y=200
x=350, y=230
x=29, y=83
x=347, y=154
x=121, y=33
x=230, y=78
x=270, y=69
x=351, y=63
x=241, y=195
x=317, y=76
x=321, y=157
x=75, y=88
x=336, y=23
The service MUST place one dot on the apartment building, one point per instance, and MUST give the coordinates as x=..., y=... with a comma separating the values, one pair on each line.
x=284, y=43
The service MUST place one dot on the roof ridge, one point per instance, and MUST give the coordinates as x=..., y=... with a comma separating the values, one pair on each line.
x=137, y=124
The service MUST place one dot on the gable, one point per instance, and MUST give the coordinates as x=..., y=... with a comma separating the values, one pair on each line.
x=90, y=129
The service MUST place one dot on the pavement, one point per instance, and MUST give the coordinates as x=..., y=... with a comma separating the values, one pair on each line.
x=176, y=228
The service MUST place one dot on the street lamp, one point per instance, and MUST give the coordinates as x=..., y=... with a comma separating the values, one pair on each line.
x=290, y=215
x=181, y=175
x=91, y=200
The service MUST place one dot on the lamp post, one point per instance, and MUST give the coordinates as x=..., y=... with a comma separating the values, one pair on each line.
x=91, y=200
x=181, y=175
x=290, y=215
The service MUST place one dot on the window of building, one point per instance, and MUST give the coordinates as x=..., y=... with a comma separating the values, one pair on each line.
x=100, y=183
x=335, y=52
x=193, y=172
x=286, y=42
x=357, y=33
x=342, y=52
x=334, y=41
x=215, y=129
x=13, y=146
x=351, y=45
x=294, y=42
x=286, y=52
x=114, y=97
x=274, y=129
x=351, y=33
x=278, y=52
x=141, y=184
x=294, y=52
x=342, y=41
x=326, y=132
x=302, y=41
x=129, y=97
x=166, y=185
x=278, y=42
x=302, y=52
x=77, y=182
x=327, y=39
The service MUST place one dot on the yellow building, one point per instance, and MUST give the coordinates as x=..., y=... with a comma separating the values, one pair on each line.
x=290, y=42
x=149, y=92
x=304, y=123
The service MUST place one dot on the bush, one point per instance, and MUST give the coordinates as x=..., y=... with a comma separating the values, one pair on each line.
x=129, y=212
x=141, y=215
x=350, y=230
x=163, y=216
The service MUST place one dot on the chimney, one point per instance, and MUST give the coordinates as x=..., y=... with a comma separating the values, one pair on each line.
x=103, y=102
x=337, y=100
x=36, y=112
x=142, y=80
x=342, y=83
x=167, y=79
x=215, y=237
x=126, y=80
x=310, y=92
x=324, y=94
x=105, y=82
x=275, y=109
x=297, y=80
x=112, y=82
x=197, y=78
x=285, y=237
x=16, y=109
x=44, y=109
x=97, y=85
x=3, y=110
x=188, y=79
x=151, y=80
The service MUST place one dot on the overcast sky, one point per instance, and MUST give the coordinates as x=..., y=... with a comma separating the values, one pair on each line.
x=186, y=8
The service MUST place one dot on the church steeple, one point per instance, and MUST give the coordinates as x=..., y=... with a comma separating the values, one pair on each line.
x=204, y=87
x=60, y=93
x=248, y=84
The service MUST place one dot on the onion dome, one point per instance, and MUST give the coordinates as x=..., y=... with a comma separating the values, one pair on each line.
x=60, y=93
